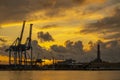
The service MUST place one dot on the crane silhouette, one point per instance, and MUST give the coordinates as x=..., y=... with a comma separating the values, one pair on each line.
x=17, y=50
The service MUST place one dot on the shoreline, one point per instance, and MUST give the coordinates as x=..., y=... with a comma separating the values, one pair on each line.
x=54, y=68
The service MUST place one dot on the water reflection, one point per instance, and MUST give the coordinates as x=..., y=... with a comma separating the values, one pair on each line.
x=20, y=75
x=59, y=75
x=78, y=75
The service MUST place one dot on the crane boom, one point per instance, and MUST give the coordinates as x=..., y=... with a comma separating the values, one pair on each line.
x=30, y=33
x=21, y=35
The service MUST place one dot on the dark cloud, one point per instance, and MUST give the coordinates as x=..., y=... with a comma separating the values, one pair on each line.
x=115, y=36
x=113, y=1
x=59, y=49
x=49, y=26
x=67, y=3
x=74, y=47
x=105, y=26
x=111, y=51
x=68, y=44
x=45, y=36
x=71, y=49
x=12, y=10
x=96, y=8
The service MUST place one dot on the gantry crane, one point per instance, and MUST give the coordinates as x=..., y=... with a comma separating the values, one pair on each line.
x=17, y=50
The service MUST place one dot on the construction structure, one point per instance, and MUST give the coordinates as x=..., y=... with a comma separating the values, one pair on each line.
x=18, y=52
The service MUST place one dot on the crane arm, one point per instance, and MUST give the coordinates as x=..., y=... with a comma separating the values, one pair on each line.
x=21, y=35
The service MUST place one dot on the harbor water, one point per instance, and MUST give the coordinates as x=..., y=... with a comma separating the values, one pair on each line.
x=59, y=75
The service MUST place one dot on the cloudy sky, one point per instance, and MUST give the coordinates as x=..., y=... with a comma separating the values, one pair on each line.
x=64, y=26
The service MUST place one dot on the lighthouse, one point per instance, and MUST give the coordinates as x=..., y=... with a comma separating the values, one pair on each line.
x=98, y=53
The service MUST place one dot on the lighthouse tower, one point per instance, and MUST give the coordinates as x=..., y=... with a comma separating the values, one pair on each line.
x=98, y=53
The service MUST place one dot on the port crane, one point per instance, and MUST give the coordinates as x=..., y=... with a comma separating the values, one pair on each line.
x=19, y=51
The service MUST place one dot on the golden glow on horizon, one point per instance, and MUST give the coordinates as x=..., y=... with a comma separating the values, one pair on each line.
x=49, y=62
x=5, y=59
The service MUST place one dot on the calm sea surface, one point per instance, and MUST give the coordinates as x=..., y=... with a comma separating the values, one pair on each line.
x=59, y=75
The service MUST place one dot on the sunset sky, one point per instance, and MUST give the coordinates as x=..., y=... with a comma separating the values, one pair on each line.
x=59, y=21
